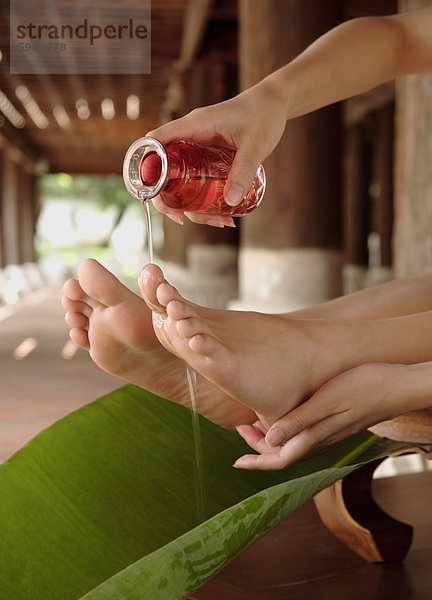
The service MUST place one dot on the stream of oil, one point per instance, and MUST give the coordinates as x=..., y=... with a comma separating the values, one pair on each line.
x=149, y=230
x=200, y=494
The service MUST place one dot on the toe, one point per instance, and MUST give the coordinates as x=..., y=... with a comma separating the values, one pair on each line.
x=150, y=278
x=80, y=338
x=100, y=285
x=190, y=327
x=73, y=290
x=206, y=345
x=76, y=320
x=76, y=306
x=166, y=293
x=179, y=309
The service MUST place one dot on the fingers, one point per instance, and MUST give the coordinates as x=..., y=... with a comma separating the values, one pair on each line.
x=261, y=462
x=345, y=405
x=242, y=173
x=260, y=427
x=306, y=432
x=199, y=125
x=175, y=215
x=300, y=418
x=177, y=129
x=305, y=444
x=274, y=458
x=211, y=219
x=202, y=218
x=356, y=398
x=215, y=124
x=254, y=437
x=320, y=421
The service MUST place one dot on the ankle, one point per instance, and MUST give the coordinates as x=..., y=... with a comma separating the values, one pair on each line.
x=339, y=345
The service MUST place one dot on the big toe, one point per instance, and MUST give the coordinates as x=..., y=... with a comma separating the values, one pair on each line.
x=101, y=285
x=150, y=278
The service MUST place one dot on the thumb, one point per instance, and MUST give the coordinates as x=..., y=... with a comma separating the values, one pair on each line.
x=241, y=176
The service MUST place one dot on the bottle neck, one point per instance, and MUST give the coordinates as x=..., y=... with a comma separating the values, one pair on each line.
x=146, y=168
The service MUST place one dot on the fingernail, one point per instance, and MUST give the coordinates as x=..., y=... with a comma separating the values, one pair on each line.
x=275, y=437
x=245, y=462
x=214, y=222
x=176, y=218
x=239, y=429
x=143, y=273
x=234, y=194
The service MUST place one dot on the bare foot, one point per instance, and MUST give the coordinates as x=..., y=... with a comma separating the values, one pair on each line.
x=268, y=362
x=115, y=325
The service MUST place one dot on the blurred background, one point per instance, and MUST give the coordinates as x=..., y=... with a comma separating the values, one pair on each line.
x=348, y=202
x=338, y=212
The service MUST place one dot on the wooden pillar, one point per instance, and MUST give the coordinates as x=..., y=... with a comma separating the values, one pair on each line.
x=290, y=254
x=17, y=207
x=26, y=213
x=2, y=256
x=174, y=249
x=412, y=245
x=356, y=208
x=9, y=209
x=383, y=183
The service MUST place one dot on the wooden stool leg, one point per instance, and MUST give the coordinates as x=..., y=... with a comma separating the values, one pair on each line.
x=349, y=511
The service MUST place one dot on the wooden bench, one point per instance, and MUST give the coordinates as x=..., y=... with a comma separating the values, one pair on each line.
x=348, y=509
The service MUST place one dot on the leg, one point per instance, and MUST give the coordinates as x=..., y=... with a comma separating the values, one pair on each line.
x=246, y=353
x=391, y=299
x=115, y=326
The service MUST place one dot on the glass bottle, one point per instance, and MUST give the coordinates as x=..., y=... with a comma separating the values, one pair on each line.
x=189, y=176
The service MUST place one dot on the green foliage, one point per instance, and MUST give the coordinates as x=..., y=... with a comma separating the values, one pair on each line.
x=101, y=505
x=104, y=189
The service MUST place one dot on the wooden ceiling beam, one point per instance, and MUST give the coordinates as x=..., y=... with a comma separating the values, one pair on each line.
x=96, y=144
x=20, y=140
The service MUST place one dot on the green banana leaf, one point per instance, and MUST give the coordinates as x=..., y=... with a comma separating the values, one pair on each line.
x=103, y=503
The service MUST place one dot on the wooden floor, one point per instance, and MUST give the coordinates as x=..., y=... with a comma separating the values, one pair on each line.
x=44, y=386
x=301, y=560
x=298, y=560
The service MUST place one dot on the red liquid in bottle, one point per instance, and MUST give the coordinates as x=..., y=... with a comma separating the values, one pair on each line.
x=196, y=178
